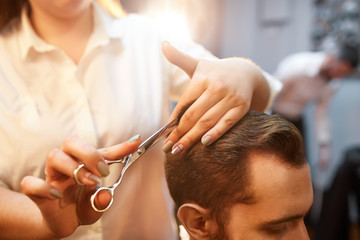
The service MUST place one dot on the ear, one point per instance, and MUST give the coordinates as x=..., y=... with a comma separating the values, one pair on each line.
x=197, y=221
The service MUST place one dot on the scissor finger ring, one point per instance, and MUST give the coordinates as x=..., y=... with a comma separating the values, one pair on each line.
x=109, y=190
x=75, y=173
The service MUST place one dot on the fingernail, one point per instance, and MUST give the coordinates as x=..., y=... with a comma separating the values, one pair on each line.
x=55, y=193
x=167, y=146
x=92, y=177
x=206, y=140
x=177, y=150
x=103, y=169
x=134, y=138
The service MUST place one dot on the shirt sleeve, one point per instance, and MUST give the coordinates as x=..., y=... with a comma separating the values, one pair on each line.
x=275, y=87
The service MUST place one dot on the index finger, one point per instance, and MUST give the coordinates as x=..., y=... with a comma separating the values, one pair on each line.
x=120, y=150
x=83, y=152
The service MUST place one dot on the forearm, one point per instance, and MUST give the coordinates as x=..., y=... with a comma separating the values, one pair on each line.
x=20, y=218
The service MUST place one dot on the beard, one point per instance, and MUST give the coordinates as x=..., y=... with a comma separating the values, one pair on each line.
x=221, y=234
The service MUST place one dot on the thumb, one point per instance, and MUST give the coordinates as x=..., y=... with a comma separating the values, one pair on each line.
x=180, y=59
x=37, y=189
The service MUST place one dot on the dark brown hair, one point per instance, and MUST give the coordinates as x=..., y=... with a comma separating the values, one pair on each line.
x=10, y=9
x=216, y=176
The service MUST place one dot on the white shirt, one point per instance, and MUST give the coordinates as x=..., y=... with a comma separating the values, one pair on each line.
x=301, y=82
x=121, y=87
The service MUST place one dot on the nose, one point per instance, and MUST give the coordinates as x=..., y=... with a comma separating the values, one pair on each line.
x=302, y=233
x=299, y=232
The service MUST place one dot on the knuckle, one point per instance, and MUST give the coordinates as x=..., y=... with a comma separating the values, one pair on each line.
x=217, y=88
x=229, y=122
x=206, y=123
x=174, y=135
x=235, y=99
x=239, y=105
x=53, y=154
x=188, y=141
x=187, y=117
x=244, y=105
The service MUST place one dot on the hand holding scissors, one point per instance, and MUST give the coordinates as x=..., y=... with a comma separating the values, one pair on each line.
x=127, y=161
x=64, y=205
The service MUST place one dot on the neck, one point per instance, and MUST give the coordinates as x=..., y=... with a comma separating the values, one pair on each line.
x=70, y=33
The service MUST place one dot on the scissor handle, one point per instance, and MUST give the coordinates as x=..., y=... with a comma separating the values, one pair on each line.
x=121, y=160
x=111, y=189
x=108, y=162
x=92, y=199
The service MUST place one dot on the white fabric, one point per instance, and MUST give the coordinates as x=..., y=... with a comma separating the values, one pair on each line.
x=301, y=82
x=275, y=87
x=302, y=63
x=121, y=87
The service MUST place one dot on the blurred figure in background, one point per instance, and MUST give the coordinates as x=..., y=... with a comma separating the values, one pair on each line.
x=305, y=75
x=332, y=138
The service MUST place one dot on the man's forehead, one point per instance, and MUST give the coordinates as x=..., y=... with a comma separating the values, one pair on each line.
x=273, y=180
x=282, y=192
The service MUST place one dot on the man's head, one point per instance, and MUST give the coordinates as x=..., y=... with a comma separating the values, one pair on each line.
x=252, y=183
x=340, y=64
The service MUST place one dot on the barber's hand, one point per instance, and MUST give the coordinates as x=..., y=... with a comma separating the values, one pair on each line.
x=220, y=93
x=64, y=204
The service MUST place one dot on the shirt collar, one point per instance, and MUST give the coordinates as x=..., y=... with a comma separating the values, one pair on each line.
x=29, y=39
x=105, y=29
x=112, y=27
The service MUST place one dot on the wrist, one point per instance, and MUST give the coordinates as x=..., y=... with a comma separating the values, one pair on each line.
x=258, y=83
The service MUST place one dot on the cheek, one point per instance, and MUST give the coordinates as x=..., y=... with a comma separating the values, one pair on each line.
x=340, y=71
x=238, y=232
x=240, y=226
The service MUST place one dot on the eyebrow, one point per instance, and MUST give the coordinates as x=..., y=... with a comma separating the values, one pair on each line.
x=284, y=220
x=280, y=221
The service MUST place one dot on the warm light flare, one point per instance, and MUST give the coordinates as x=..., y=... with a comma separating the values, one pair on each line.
x=173, y=25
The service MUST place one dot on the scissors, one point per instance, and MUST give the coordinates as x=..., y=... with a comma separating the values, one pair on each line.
x=129, y=160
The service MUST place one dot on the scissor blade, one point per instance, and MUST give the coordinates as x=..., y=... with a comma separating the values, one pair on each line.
x=153, y=139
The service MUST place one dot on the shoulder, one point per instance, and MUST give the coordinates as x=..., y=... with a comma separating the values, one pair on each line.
x=303, y=57
x=301, y=63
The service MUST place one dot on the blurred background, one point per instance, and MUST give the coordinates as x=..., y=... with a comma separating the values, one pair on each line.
x=263, y=30
x=267, y=31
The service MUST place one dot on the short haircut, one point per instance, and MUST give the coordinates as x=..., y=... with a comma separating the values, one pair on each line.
x=216, y=176
x=349, y=54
